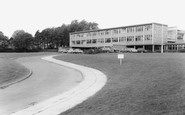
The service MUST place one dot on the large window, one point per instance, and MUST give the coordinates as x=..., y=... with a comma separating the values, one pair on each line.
x=139, y=38
x=107, y=32
x=122, y=39
x=148, y=37
x=78, y=42
x=83, y=41
x=100, y=40
x=115, y=31
x=73, y=42
x=73, y=35
x=123, y=30
x=102, y=33
x=148, y=27
x=88, y=34
x=115, y=39
x=130, y=38
x=94, y=34
x=88, y=41
x=107, y=40
x=94, y=41
x=139, y=28
x=130, y=30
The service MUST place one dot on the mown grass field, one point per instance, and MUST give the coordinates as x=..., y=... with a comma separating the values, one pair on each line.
x=145, y=84
x=10, y=70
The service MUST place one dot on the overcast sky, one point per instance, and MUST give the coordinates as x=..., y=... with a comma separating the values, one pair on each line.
x=33, y=15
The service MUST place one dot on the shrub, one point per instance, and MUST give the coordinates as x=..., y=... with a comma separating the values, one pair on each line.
x=93, y=51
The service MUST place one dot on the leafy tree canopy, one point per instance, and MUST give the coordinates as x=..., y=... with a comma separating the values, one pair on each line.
x=22, y=40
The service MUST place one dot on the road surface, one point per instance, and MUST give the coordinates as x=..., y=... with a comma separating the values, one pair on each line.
x=48, y=80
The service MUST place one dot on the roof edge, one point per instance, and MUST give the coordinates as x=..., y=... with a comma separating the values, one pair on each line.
x=116, y=28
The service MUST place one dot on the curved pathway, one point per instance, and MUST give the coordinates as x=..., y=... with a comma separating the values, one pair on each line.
x=93, y=81
x=48, y=80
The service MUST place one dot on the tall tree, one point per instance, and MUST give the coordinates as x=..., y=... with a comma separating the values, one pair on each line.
x=3, y=41
x=59, y=36
x=22, y=40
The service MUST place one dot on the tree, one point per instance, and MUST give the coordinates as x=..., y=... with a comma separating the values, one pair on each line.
x=82, y=26
x=22, y=40
x=3, y=41
x=59, y=36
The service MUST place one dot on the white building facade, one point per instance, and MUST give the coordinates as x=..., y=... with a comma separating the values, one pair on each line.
x=150, y=36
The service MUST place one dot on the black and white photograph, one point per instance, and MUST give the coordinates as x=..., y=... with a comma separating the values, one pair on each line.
x=92, y=57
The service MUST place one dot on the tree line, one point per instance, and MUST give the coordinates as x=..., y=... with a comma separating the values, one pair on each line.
x=49, y=38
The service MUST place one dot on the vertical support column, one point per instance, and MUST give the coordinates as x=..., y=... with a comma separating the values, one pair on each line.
x=177, y=47
x=134, y=47
x=153, y=48
x=162, y=40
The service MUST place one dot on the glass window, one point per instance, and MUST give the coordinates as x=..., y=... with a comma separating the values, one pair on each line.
x=130, y=38
x=130, y=29
x=78, y=42
x=139, y=28
x=122, y=39
x=115, y=31
x=107, y=32
x=94, y=34
x=139, y=38
x=73, y=35
x=88, y=34
x=148, y=37
x=115, y=39
x=148, y=27
x=83, y=41
x=94, y=41
x=107, y=40
x=73, y=42
x=102, y=33
x=88, y=41
x=123, y=30
x=101, y=40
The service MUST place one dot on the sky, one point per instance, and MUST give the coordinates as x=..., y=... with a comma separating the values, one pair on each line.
x=33, y=15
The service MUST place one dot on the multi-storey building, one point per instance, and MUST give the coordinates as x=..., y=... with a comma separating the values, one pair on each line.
x=151, y=36
x=175, y=40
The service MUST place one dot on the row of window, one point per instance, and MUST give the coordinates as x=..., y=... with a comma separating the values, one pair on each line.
x=115, y=31
x=114, y=39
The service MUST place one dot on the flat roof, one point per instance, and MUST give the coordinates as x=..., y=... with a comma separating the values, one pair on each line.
x=115, y=28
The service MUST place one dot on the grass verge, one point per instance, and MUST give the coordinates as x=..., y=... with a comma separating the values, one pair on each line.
x=11, y=71
x=145, y=84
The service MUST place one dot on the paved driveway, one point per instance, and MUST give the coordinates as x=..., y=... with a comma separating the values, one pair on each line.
x=47, y=80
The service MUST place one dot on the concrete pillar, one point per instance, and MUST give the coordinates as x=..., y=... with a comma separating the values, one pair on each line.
x=143, y=47
x=153, y=48
x=166, y=47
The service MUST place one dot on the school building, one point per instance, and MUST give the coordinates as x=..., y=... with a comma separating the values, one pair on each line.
x=150, y=36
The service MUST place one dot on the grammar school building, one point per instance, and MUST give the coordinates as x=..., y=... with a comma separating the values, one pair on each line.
x=150, y=36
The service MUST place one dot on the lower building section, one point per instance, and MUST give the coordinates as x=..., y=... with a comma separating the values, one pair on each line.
x=148, y=47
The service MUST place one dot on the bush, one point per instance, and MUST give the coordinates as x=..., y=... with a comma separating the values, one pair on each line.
x=6, y=50
x=93, y=51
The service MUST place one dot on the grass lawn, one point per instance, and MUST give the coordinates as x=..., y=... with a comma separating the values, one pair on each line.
x=10, y=70
x=145, y=84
